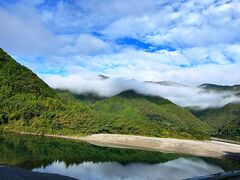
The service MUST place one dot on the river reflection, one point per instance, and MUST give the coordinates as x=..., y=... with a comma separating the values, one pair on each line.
x=88, y=162
x=176, y=169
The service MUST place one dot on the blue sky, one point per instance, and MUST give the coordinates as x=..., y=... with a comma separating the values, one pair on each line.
x=190, y=42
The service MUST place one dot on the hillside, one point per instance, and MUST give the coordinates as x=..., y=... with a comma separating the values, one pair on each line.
x=17, y=79
x=225, y=121
x=28, y=104
x=148, y=115
x=128, y=111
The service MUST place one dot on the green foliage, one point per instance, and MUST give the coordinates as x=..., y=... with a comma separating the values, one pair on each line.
x=132, y=113
x=15, y=78
x=46, y=115
x=225, y=121
x=28, y=104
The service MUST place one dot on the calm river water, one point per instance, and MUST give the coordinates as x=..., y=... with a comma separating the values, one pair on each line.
x=85, y=161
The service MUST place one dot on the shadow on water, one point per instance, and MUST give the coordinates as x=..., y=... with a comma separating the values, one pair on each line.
x=234, y=156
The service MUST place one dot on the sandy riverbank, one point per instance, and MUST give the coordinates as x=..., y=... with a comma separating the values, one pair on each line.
x=182, y=146
x=198, y=148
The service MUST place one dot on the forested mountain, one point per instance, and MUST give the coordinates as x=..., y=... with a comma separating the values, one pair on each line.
x=28, y=104
x=225, y=120
x=17, y=79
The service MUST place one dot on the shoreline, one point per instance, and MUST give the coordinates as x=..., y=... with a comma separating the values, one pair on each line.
x=207, y=148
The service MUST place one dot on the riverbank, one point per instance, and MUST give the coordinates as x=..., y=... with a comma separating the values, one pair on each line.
x=210, y=148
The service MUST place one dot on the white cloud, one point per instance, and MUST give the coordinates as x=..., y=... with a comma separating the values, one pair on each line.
x=80, y=36
x=22, y=32
x=131, y=27
x=182, y=95
x=216, y=64
x=91, y=15
x=88, y=45
x=189, y=23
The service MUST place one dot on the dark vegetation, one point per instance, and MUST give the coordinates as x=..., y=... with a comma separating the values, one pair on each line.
x=28, y=104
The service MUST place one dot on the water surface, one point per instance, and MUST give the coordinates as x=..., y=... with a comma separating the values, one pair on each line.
x=85, y=161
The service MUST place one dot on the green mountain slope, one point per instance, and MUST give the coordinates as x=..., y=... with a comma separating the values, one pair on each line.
x=130, y=112
x=28, y=104
x=225, y=121
x=148, y=115
x=16, y=79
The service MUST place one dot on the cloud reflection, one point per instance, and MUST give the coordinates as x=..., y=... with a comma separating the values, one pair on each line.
x=176, y=169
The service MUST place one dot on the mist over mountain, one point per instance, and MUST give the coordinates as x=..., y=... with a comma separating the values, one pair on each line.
x=185, y=96
x=27, y=104
x=140, y=75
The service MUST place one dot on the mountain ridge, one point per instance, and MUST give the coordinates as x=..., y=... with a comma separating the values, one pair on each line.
x=15, y=78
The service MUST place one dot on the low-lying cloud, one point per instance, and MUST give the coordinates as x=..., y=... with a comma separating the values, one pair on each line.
x=184, y=96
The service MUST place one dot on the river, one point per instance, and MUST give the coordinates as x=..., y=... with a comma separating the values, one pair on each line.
x=85, y=161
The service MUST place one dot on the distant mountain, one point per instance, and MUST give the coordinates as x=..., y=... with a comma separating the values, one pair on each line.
x=225, y=121
x=166, y=83
x=28, y=104
x=103, y=77
x=220, y=87
x=88, y=98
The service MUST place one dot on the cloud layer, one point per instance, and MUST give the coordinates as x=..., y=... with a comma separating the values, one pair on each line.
x=190, y=42
x=185, y=96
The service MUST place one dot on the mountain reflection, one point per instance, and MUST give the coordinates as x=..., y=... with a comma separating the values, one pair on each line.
x=176, y=169
x=86, y=161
